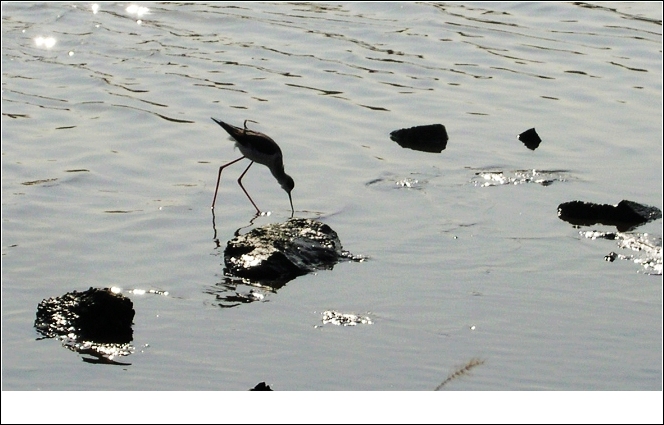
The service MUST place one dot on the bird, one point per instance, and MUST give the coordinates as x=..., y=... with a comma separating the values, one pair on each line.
x=260, y=148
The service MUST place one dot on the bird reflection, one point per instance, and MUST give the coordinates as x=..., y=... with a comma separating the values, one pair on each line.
x=236, y=233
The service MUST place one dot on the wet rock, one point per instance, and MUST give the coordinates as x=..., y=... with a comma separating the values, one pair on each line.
x=96, y=315
x=426, y=138
x=279, y=252
x=96, y=322
x=530, y=138
x=625, y=216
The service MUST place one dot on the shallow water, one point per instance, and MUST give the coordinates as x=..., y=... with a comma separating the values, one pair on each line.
x=109, y=160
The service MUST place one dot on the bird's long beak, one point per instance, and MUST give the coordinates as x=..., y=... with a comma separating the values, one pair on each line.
x=291, y=205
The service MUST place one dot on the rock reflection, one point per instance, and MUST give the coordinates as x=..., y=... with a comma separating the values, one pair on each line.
x=232, y=292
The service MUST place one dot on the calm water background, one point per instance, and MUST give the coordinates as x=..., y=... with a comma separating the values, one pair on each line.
x=109, y=160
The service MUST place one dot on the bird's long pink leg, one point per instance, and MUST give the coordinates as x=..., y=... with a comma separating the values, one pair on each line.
x=219, y=178
x=245, y=191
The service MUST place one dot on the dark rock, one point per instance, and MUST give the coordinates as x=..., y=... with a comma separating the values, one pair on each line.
x=625, y=216
x=425, y=138
x=279, y=252
x=530, y=138
x=94, y=315
x=261, y=387
x=97, y=322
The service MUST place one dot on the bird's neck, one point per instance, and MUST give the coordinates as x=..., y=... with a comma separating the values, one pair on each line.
x=279, y=173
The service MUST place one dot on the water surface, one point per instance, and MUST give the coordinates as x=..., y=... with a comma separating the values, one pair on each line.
x=109, y=160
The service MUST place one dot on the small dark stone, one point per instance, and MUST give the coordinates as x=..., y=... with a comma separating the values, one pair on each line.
x=530, y=138
x=261, y=386
x=426, y=138
x=625, y=216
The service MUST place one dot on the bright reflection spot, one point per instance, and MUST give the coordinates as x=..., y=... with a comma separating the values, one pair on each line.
x=116, y=290
x=71, y=53
x=47, y=42
x=137, y=10
x=139, y=22
x=95, y=8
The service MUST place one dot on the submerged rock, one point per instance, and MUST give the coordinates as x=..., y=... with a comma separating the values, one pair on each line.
x=487, y=178
x=625, y=216
x=279, y=252
x=426, y=138
x=344, y=319
x=530, y=138
x=647, y=249
x=96, y=322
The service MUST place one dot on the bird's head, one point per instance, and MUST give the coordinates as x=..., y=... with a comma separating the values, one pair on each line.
x=288, y=184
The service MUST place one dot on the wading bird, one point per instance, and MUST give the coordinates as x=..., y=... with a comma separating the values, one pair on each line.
x=260, y=148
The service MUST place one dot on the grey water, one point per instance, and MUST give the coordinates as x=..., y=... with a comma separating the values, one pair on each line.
x=110, y=159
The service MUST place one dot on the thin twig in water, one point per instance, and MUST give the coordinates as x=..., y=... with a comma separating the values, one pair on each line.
x=460, y=372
